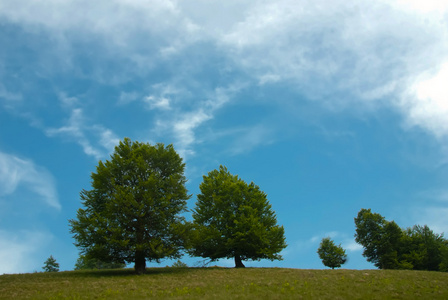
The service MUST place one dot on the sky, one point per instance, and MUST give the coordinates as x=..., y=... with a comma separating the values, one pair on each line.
x=328, y=106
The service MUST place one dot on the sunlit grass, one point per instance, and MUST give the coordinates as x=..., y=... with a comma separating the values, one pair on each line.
x=227, y=283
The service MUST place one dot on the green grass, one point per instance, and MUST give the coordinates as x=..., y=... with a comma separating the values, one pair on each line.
x=227, y=283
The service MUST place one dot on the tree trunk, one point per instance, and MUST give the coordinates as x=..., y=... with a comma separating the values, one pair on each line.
x=238, y=262
x=140, y=262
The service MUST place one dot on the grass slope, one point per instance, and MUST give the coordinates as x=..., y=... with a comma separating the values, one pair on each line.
x=226, y=283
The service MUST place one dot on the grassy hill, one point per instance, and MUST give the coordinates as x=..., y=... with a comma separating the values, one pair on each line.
x=227, y=283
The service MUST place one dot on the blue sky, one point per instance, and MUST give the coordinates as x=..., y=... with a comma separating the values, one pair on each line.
x=328, y=106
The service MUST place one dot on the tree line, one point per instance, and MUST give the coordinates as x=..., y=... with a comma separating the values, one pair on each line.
x=388, y=246
x=133, y=213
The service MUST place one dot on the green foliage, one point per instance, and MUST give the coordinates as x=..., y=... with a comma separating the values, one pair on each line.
x=179, y=264
x=132, y=212
x=50, y=265
x=425, y=250
x=443, y=266
x=390, y=247
x=379, y=238
x=234, y=219
x=332, y=256
x=85, y=263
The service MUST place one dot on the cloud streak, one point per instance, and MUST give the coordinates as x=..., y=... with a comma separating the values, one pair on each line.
x=343, y=54
x=78, y=129
x=15, y=172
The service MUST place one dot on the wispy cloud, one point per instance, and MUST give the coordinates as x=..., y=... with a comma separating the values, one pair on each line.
x=252, y=137
x=158, y=103
x=127, y=97
x=15, y=172
x=351, y=245
x=101, y=23
x=343, y=54
x=79, y=129
x=162, y=96
x=8, y=98
x=183, y=122
x=184, y=128
x=425, y=6
x=351, y=53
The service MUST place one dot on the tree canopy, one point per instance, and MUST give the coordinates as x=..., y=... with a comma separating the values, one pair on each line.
x=390, y=247
x=84, y=263
x=332, y=256
x=132, y=213
x=233, y=219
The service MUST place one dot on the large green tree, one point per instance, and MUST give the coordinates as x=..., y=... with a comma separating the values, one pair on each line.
x=132, y=213
x=332, y=255
x=233, y=219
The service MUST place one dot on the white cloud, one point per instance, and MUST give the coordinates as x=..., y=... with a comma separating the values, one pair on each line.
x=15, y=172
x=424, y=6
x=371, y=52
x=164, y=95
x=19, y=255
x=183, y=122
x=351, y=245
x=125, y=24
x=184, y=130
x=126, y=98
x=77, y=128
x=269, y=78
x=427, y=107
x=68, y=101
x=9, y=98
x=108, y=139
x=160, y=103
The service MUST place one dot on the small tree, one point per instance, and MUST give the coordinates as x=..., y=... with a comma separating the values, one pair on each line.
x=50, y=265
x=332, y=256
x=179, y=264
x=233, y=219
